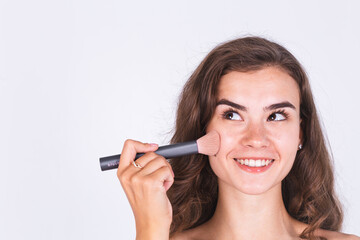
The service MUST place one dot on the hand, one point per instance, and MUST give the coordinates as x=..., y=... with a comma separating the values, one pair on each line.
x=146, y=189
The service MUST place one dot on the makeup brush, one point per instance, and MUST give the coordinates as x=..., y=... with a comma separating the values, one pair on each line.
x=208, y=144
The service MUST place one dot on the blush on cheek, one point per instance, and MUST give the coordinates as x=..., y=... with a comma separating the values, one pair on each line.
x=227, y=141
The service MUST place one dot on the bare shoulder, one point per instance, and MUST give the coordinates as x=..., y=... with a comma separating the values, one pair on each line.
x=331, y=235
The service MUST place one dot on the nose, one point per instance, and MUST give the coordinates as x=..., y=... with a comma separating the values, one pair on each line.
x=255, y=136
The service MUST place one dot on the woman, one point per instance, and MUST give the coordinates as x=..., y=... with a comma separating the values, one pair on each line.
x=272, y=177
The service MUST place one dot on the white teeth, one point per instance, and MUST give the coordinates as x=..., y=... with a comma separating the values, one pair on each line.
x=254, y=163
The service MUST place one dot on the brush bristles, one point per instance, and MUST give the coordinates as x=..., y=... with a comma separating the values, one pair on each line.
x=209, y=144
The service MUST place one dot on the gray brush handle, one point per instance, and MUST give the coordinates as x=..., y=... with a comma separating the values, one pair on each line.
x=168, y=151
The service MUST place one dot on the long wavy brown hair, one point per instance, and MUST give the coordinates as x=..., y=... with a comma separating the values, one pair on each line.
x=307, y=191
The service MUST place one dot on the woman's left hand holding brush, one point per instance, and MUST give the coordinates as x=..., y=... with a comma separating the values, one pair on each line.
x=145, y=184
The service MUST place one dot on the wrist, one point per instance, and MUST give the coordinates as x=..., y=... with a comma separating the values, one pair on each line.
x=152, y=236
x=152, y=233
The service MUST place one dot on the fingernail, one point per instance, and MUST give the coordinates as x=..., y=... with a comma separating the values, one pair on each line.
x=153, y=144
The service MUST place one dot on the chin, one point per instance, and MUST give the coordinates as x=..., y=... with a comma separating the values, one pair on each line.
x=253, y=189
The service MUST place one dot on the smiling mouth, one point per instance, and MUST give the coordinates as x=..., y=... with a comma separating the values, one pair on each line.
x=254, y=163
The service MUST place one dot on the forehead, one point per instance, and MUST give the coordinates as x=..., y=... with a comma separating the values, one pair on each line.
x=264, y=86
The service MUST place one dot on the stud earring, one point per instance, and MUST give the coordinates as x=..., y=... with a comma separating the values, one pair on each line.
x=300, y=146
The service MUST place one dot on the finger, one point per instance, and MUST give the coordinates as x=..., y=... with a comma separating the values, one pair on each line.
x=172, y=171
x=126, y=172
x=142, y=161
x=163, y=177
x=153, y=165
x=147, y=158
x=131, y=148
x=152, y=162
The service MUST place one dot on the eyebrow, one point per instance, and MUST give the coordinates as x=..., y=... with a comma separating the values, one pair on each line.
x=274, y=106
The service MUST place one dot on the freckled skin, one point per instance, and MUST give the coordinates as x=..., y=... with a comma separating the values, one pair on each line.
x=251, y=133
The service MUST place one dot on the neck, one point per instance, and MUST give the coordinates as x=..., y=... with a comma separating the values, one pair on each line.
x=241, y=216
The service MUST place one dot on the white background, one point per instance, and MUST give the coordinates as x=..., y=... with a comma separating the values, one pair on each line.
x=79, y=77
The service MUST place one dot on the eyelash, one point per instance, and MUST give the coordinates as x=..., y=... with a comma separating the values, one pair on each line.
x=225, y=113
x=283, y=112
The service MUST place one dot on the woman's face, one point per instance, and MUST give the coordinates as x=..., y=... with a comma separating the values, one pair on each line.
x=258, y=119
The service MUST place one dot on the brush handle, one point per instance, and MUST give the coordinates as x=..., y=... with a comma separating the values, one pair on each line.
x=168, y=151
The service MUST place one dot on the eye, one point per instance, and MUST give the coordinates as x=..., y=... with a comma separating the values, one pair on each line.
x=278, y=116
x=231, y=115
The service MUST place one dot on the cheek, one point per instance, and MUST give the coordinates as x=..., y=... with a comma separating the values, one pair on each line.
x=228, y=138
x=283, y=138
x=227, y=142
x=286, y=142
x=286, y=137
